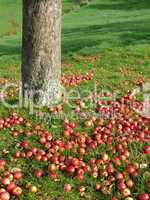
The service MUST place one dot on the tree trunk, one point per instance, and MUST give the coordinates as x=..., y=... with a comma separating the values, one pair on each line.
x=41, y=51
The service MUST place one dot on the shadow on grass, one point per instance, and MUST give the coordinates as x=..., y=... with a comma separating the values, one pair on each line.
x=74, y=1
x=6, y=50
x=122, y=5
x=121, y=33
x=75, y=39
x=75, y=45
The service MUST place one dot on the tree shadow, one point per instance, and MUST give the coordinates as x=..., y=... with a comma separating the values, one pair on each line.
x=122, y=5
x=74, y=1
x=7, y=50
x=127, y=33
x=72, y=46
x=75, y=39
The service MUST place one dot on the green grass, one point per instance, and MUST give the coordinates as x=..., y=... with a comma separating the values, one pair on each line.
x=116, y=33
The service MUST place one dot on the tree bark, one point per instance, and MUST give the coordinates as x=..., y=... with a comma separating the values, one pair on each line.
x=41, y=51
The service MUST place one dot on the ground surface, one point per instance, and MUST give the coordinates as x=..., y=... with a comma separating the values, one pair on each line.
x=109, y=38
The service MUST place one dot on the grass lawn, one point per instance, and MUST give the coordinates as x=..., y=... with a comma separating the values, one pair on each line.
x=110, y=38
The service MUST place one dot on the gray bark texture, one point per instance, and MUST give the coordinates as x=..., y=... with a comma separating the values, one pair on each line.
x=41, y=50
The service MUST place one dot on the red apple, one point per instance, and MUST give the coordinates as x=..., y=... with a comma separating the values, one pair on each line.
x=17, y=191
x=11, y=186
x=147, y=150
x=4, y=196
x=38, y=173
x=70, y=169
x=18, y=175
x=5, y=181
x=143, y=197
x=67, y=187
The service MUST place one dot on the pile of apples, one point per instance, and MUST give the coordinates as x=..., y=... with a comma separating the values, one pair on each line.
x=67, y=81
x=111, y=170
x=76, y=79
x=9, y=182
x=13, y=120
